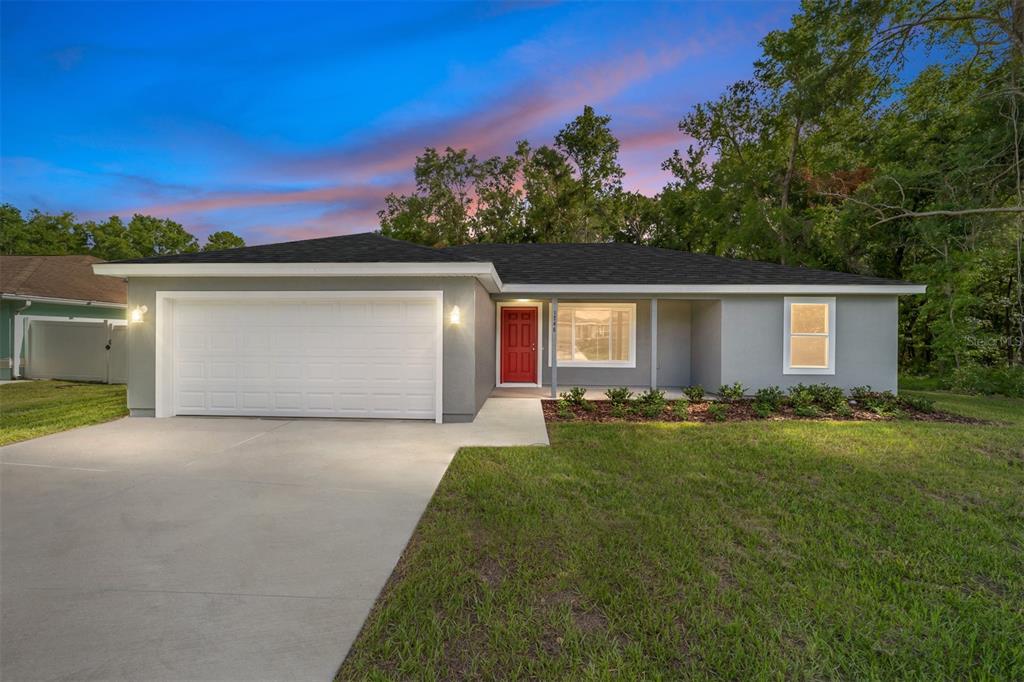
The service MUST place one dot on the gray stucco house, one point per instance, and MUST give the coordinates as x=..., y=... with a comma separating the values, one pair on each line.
x=365, y=326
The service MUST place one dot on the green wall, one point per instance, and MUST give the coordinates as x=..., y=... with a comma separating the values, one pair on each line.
x=9, y=306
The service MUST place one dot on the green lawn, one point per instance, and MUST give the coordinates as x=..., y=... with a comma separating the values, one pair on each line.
x=783, y=550
x=35, y=408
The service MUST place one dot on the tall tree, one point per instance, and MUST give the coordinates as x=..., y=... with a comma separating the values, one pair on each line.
x=222, y=239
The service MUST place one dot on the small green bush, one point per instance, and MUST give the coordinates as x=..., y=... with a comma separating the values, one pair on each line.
x=695, y=393
x=651, y=403
x=801, y=396
x=771, y=396
x=919, y=403
x=681, y=408
x=731, y=393
x=619, y=396
x=564, y=409
x=718, y=411
x=620, y=410
x=763, y=409
x=844, y=410
x=827, y=397
x=808, y=410
x=574, y=396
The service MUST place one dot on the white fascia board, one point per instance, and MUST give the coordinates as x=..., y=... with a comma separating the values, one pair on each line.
x=670, y=289
x=63, y=301
x=485, y=272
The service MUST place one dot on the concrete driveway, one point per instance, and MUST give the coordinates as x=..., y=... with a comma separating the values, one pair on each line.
x=214, y=548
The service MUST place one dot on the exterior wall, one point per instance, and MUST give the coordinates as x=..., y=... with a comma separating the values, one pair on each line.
x=8, y=306
x=865, y=342
x=485, y=327
x=706, y=353
x=674, y=343
x=459, y=398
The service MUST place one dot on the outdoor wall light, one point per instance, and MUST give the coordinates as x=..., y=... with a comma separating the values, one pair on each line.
x=138, y=314
x=455, y=316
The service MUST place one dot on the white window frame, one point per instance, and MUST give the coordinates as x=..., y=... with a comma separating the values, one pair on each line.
x=631, y=307
x=787, y=335
x=497, y=342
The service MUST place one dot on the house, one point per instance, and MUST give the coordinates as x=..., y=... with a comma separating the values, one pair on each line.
x=59, y=320
x=365, y=326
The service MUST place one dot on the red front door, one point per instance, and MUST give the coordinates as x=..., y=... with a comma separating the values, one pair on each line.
x=518, y=345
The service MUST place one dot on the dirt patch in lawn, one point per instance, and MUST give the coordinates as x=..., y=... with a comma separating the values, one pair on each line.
x=737, y=411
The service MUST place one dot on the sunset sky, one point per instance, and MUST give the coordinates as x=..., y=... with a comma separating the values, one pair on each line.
x=294, y=120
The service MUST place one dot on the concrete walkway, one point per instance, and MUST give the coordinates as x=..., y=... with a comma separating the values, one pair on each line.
x=214, y=548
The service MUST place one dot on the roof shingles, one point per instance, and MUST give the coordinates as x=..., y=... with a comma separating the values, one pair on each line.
x=608, y=263
x=67, y=277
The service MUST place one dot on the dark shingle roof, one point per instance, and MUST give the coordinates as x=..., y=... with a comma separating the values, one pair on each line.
x=632, y=264
x=351, y=248
x=69, y=277
x=534, y=263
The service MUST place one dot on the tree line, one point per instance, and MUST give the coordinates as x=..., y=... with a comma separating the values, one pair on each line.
x=832, y=155
x=45, y=234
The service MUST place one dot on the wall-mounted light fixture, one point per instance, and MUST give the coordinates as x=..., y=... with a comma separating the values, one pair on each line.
x=455, y=316
x=138, y=314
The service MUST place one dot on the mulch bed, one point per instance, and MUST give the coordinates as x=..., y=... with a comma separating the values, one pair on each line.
x=739, y=411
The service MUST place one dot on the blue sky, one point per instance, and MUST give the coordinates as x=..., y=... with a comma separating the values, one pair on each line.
x=294, y=120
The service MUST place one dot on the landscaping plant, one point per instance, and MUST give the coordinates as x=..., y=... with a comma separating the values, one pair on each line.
x=772, y=396
x=651, y=403
x=619, y=396
x=695, y=393
x=718, y=411
x=731, y=394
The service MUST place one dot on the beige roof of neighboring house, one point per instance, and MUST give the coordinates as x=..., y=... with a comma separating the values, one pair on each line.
x=69, y=277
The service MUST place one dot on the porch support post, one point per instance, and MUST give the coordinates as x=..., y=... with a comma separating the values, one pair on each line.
x=654, y=343
x=553, y=345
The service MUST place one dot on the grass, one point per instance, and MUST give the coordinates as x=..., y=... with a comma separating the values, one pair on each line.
x=35, y=408
x=730, y=551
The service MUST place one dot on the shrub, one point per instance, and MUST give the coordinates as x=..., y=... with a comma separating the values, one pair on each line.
x=1008, y=381
x=884, y=403
x=681, y=408
x=769, y=395
x=564, y=409
x=763, y=409
x=695, y=393
x=576, y=395
x=651, y=396
x=800, y=396
x=827, y=397
x=619, y=396
x=620, y=410
x=919, y=403
x=718, y=411
x=844, y=410
x=808, y=410
x=588, y=406
x=651, y=403
x=731, y=393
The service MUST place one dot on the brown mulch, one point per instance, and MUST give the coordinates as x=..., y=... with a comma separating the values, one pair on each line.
x=739, y=411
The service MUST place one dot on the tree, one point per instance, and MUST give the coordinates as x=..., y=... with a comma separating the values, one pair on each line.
x=588, y=143
x=223, y=239
x=41, y=234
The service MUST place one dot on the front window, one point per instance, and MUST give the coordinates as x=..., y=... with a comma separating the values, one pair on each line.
x=809, y=342
x=597, y=334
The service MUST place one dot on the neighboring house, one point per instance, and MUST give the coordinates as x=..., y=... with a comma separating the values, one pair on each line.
x=365, y=326
x=57, y=319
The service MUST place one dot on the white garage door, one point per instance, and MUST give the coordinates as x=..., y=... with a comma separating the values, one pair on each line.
x=354, y=357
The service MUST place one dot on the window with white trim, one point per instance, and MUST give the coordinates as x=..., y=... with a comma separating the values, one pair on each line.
x=809, y=341
x=596, y=335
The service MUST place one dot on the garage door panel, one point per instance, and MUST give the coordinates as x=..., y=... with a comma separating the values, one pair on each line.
x=345, y=358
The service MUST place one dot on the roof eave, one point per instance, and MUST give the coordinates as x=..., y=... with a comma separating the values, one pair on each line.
x=484, y=272
x=676, y=289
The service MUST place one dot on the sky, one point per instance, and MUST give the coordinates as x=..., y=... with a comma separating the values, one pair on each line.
x=293, y=120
